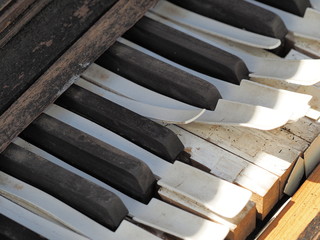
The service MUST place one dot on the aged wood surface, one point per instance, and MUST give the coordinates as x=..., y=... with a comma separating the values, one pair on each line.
x=4, y=3
x=21, y=21
x=298, y=213
x=32, y=51
x=69, y=66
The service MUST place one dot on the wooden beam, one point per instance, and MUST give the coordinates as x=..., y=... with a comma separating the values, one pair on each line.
x=69, y=66
x=302, y=209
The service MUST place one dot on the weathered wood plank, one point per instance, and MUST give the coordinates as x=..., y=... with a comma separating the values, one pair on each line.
x=21, y=21
x=4, y=3
x=68, y=67
x=298, y=213
x=29, y=54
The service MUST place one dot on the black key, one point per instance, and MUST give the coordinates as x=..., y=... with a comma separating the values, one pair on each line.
x=159, y=76
x=92, y=200
x=140, y=130
x=297, y=7
x=97, y=158
x=187, y=50
x=11, y=230
x=240, y=14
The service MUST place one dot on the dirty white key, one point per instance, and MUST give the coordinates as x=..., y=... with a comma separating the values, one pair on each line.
x=36, y=223
x=204, y=24
x=59, y=213
x=226, y=112
x=160, y=167
x=247, y=92
x=306, y=26
x=156, y=214
x=301, y=72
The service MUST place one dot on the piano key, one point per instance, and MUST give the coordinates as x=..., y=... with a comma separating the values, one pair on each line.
x=297, y=7
x=238, y=114
x=102, y=206
x=58, y=212
x=247, y=92
x=188, y=18
x=306, y=26
x=159, y=167
x=138, y=129
x=156, y=214
x=240, y=14
x=315, y=4
x=258, y=61
x=154, y=74
x=92, y=155
x=35, y=223
x=186, y=50
x=10, y=229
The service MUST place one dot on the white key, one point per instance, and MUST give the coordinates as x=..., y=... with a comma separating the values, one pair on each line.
x=306, y=26
x=161, y=167
x=156, y=214
x=36, y=223
x=302, y=72
x=204, y=24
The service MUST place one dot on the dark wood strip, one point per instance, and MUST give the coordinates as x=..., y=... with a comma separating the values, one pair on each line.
x=4, y=3
x=92, y=200
x=21, y=21
x=123, y=15
x=10, y=14
x=99, y=159
x=48, y=35
x=159, y=76
x=297, y=7
x=312, y=231
x=142, y=131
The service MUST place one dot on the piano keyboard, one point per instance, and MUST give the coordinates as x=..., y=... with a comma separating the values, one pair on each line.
x=118, y=156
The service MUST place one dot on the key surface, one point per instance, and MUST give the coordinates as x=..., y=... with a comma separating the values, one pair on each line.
x=297, y=7
x=240, y=14
x=188, y=51
x=134, y=127
x=88, y=198
x=12, y=230
x=159, y=76
x=93, y=156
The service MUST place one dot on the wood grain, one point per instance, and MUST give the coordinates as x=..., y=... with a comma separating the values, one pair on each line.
x=69, y=66
x=298, y=213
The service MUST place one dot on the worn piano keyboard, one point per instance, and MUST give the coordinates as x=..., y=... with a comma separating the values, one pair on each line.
x=66, y=176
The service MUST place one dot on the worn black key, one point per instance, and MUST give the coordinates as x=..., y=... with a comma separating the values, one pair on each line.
x=142, y=131
x=187, y=50
x=11, y=230
x=159, y=76
x=92, y=200
x=240, y=14
x=297, y=7
x=97, y=158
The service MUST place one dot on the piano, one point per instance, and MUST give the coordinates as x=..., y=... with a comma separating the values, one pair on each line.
x=155, y=119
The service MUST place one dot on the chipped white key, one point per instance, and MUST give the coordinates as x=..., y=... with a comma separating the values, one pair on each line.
x=36, y=223
x=58, y=212
x=247, y=92
x=306, y=26
x=158, y=166
x=156, y=214
x=226, y=112
x=154, y=112
x=302, y=72
x=204, y=24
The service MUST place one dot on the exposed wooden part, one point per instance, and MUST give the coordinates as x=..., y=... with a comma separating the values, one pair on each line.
x=67, y=68
x=223, y=164
x=312, y=231
x=312, y=156
x=298, y=213
x=13, y=12
x=13, y=29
